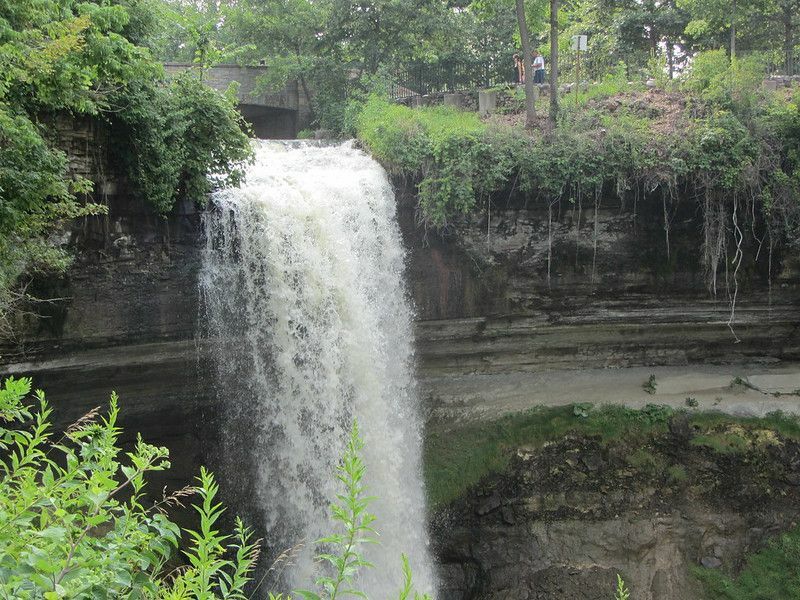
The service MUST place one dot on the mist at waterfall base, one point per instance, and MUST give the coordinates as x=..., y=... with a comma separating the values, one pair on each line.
x=309, y=328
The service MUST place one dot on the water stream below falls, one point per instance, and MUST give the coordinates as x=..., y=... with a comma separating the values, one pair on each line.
x=310, y=328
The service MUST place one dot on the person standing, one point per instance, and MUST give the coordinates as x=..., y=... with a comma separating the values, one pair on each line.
x=538, y=67
x=520, y=68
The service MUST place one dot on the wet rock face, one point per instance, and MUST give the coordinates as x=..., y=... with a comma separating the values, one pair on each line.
x=518, y=256
x=130, y=313
x=125, y=321
x=566, y=518
x=524, y=289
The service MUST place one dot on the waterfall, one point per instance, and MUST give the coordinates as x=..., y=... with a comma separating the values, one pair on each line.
x=310, y=328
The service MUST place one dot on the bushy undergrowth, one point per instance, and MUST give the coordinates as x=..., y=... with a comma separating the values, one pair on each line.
x=73, y=520
x=771, y=573
x=613, y=83
x=730, y=147
x=178, y=139
x=61, y=58
x=451, y=149
x=76, y=520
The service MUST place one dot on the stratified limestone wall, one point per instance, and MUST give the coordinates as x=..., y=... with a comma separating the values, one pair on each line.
x=130, y=313
x=84, y=140
x=524, y=290
x=125, y=321
x=481, y=294
x=568, y=517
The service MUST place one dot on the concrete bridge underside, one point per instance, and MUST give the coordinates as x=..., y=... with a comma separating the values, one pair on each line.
x=273, y=114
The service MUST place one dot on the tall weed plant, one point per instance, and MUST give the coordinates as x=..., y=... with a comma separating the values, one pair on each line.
x=76, y=522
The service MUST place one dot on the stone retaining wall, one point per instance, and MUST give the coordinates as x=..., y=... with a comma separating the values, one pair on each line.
x=781, y=81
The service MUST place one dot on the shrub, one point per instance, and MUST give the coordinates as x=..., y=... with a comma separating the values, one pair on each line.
x=677, y=474
x=66, y=531
x=733, y=84
x=622, y=592
x=73, y=520
x=650, y=385
x=179, y=139
x=613, y=83
x=447, y=146
x=772, y=572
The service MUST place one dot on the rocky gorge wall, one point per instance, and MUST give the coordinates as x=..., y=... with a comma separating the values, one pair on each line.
x=614, y=299
x=482, y=298
x=130, y=315
x=565, y=519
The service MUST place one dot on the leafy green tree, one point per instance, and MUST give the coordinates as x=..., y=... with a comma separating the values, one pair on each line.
x=628, y=32
x=290, y=37
x=386, y=32
x=64, y=57
x=554, y=9
x=784, y=16
x=711, y=19
x=645, y=27
x=336, y=49
x=527, y=60
x=178, y=133
x=189, y=31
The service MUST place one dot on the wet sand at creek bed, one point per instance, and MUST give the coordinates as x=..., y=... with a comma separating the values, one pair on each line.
x=457, y=400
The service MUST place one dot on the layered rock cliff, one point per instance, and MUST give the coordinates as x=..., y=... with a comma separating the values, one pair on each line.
x=506, y=292
x=567, y=518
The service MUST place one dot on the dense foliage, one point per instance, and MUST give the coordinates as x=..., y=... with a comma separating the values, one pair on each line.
x=77, y=521
x=718, y=135
x=59, y=57
x=74, y=520
x=179, y=138
x=335, y=47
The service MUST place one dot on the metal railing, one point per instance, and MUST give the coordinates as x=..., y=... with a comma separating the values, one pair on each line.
x=448, y=77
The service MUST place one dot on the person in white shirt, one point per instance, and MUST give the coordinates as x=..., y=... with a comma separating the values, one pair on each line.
x=538, y=67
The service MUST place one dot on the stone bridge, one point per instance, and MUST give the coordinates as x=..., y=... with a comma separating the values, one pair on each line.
x=275, y=114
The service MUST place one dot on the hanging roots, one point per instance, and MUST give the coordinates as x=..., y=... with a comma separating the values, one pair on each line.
x=737, y=262
x=713, y=240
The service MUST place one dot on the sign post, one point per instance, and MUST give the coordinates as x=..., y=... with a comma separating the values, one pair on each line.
x=579, y=44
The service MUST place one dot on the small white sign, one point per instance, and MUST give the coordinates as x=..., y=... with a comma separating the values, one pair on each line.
x=580, y=42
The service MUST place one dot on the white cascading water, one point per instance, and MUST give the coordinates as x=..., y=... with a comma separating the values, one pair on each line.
x=304, y=297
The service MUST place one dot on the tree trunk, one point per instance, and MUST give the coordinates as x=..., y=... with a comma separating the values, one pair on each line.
x=304, y=84
x=670, y=59
x=733, y=30
x=307, y=94
x=527, y=60
x=554, y=61
x=788, y=37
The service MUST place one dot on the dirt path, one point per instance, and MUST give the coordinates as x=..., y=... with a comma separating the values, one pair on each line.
x=739, y=390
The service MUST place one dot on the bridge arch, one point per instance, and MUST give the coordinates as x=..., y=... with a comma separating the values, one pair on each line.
x=276, y=114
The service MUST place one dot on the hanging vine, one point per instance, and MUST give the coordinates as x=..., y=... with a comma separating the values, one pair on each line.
x=710, y=155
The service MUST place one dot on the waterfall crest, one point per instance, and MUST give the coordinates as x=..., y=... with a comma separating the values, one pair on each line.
x=310, y=328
